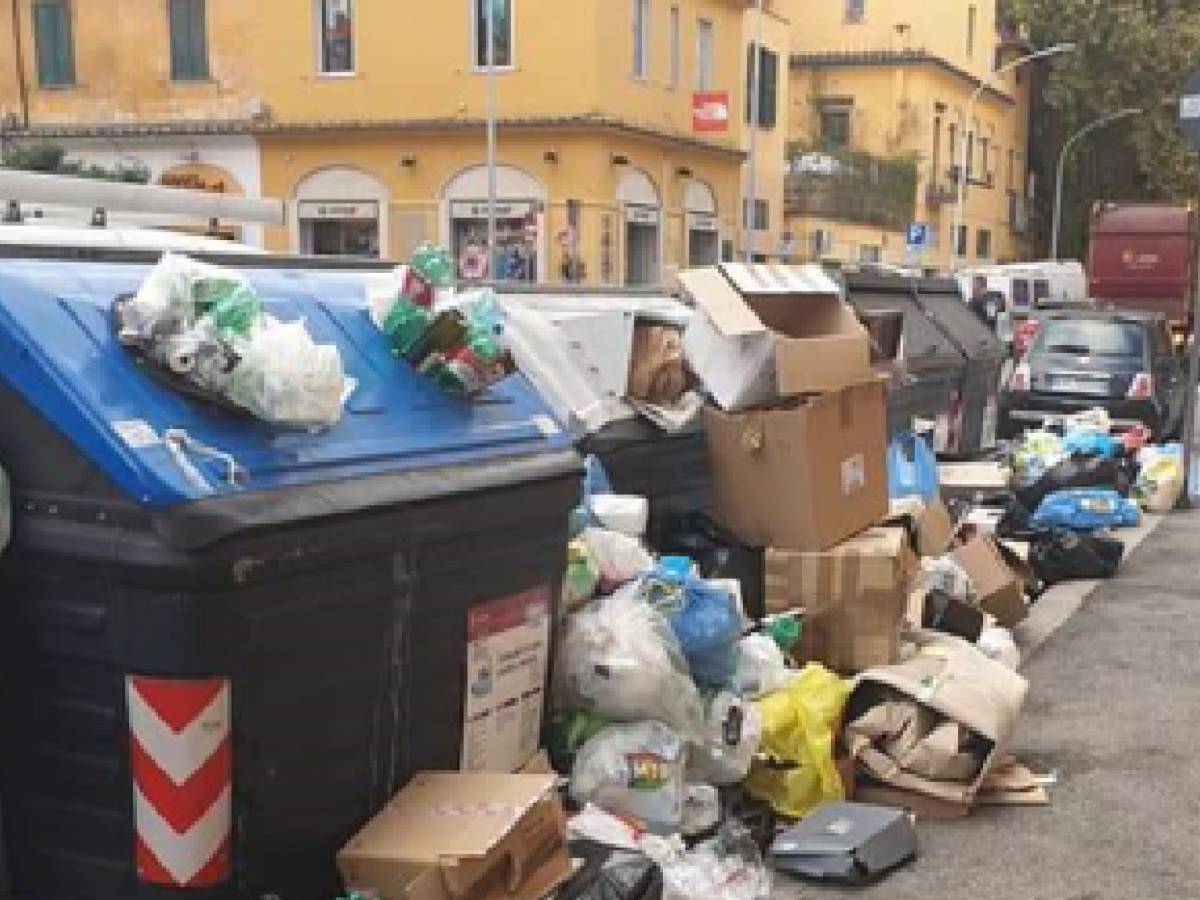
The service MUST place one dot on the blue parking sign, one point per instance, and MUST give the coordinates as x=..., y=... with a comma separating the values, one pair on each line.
x=918, y=236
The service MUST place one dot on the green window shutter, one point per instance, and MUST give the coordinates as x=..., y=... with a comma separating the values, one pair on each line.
x=189, y=40
x=52, y=39
x=768, y=101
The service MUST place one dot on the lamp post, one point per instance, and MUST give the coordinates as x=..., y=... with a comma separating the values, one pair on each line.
x=966, y=125
x=1062, y=166
x=490, y=37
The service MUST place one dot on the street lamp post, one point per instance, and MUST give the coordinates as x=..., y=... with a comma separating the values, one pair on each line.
x=966, y=125
x=749, y=222
x=490, y=58
x=1056, y=229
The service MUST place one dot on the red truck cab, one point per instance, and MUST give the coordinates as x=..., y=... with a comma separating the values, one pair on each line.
x=1143, y=258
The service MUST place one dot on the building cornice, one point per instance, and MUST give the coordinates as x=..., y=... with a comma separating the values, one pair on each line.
x=892, y=59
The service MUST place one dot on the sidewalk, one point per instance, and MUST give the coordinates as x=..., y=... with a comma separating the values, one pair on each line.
x=1113, y=710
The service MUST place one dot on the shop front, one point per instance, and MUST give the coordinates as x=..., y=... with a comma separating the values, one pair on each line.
x=703, y=235
x=340, y=211
x=641, y=210
x=520, y=225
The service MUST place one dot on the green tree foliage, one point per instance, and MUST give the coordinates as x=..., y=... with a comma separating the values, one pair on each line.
x=52, y=159
x=1130, y=53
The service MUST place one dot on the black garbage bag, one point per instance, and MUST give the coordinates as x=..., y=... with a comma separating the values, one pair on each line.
x=611, y=874
x=1061, y=555
x=718, y=554
x=1078, y=472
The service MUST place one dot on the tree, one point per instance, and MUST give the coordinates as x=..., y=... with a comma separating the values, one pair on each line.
x=1130, y=53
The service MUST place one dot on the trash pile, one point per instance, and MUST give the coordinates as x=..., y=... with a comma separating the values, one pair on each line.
x=830, y=657
x=456, y=340
x=202, y=329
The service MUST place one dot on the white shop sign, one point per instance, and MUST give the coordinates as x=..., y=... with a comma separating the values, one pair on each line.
x=320, y=209
x=470, y=209
x=641, y=215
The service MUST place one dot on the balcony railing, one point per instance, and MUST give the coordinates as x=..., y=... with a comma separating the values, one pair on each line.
x=850, y=186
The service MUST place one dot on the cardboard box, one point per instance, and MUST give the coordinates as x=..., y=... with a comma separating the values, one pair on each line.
x=802, y=478
x=454, y=836
x=854, y=597
x=956, y=681
x=931, y=522
x=765, y=332
x=999, y=588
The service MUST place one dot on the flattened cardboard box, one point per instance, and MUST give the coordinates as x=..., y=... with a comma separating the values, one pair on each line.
x=454, y=836
x=934, y=527
x=803, y=478
x=955, y=680
x=765, y=332
x=854, y=597
x=999, y=588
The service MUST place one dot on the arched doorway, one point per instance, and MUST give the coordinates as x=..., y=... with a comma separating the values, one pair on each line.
x=520, y=224
x=641, y=209
x=702, y=233
x=340, y=211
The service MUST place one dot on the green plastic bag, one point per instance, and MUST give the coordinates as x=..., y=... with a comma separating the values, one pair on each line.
x=798, y=730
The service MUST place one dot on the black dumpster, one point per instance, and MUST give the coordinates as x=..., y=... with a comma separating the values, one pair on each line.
x=985, y=361
x=934, y=366
x=210, y=691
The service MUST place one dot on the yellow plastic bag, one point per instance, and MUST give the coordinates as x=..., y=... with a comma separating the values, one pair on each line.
x=1160, y=484
x=799, y=722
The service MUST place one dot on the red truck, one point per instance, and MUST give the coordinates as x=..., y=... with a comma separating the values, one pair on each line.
x=1143, y=257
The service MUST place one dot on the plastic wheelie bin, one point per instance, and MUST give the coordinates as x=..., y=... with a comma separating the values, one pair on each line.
x=931, y=388
x=985, y=361
x=209, y=691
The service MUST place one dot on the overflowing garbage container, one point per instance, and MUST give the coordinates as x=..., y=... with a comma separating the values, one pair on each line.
x=225, y=644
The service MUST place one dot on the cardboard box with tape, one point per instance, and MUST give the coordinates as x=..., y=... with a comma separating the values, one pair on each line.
x=461, y=836
x=854, y=597
x=766, y=332
x=803, y=477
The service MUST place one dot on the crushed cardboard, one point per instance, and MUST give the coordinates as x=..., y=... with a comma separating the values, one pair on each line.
x=452, y=836
x=999, y=588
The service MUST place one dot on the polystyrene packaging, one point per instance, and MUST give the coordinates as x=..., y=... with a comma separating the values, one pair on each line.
x=997, y=643
x=618, y=658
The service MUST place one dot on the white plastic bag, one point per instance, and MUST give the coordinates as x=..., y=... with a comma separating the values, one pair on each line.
x=620, y=512
x=733, y=730
x=729, y=867
x=997, y=643
x=946, y=575
x=635, y=771
x=761, y=668
x=286, y=378
x=619, y=557
x=620, y=659
x=167, y=300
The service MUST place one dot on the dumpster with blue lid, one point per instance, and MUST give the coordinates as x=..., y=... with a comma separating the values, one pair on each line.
x=212, y=682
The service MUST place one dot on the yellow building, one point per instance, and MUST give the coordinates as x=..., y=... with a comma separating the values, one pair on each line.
x=616, y=164
x=879, y=96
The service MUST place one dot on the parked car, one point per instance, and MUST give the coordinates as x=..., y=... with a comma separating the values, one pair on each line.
x=1124, y=362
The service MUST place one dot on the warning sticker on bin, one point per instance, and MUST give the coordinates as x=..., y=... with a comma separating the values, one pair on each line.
x=137, y=434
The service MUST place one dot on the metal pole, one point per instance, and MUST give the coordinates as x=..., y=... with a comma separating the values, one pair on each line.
x=1189, y=410
x=749, y=221
x=1062, y=166
x=962, y=162
x=490, y=32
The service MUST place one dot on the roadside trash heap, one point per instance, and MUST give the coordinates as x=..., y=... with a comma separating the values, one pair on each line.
x=829, y=661
x=202, y=329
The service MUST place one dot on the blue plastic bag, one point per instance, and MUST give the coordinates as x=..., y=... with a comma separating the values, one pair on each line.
x=708, y=627
x=595, y=481
x=1086, y=509
x=912, y=468
x=1088, y=443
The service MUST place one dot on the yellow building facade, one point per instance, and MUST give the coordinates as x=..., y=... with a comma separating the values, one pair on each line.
x=879, y=97
x=623, y=132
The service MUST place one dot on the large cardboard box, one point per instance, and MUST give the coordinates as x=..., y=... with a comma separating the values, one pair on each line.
x=801, y=478
x=999, y=587
x=764, y=332
x=957, y=683
x=854, y=597
x=933, y=527
x=461, y=836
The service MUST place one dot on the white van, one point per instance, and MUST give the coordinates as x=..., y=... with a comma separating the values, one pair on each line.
x=1027, y=287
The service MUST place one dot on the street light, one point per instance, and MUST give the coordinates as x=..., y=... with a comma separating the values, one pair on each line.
x=962, y=149
x=1062, y=165
x=749, y=242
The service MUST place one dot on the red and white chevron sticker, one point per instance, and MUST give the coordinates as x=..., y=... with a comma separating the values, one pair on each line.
x=182, y=761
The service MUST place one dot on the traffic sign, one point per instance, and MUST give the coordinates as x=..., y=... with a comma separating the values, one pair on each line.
x=919, y=236
x=1189, y=111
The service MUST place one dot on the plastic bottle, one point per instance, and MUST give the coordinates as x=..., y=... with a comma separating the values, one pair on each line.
x=404, y=325
x=434, y=264
x=232, y=305
x=446, y=333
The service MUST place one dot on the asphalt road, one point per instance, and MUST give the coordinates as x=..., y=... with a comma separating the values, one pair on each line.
x=1114, y=710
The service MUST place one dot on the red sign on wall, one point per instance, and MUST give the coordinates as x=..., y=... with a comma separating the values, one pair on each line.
x=710, y=111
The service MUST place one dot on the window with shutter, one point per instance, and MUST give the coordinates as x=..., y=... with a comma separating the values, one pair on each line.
x=52, y=43
x=189, y=40
x=768, y=86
